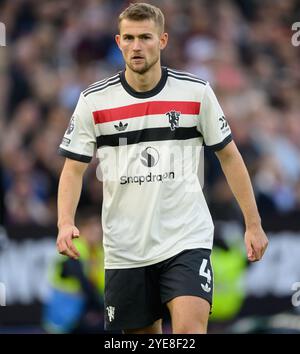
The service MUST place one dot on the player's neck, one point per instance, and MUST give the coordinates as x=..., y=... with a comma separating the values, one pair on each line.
x=143, y=82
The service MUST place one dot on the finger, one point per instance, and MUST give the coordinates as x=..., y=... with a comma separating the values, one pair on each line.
x=76, y=232
x=265, y=247
x=72, y=248
x=64, y=250
x=261, y=249
x=258, y=252
x=252, y=258
x=249, y=250
x=60, y=246
x=252, y=252
x=70, y=252
x=261, y=252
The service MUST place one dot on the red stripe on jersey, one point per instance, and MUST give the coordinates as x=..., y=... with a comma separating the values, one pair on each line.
x=145, y=109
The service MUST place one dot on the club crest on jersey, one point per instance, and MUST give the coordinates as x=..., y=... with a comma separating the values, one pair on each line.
x=173, y=119
x=110, y=313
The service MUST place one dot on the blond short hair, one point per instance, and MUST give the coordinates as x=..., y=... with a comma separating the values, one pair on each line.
x=143, y=11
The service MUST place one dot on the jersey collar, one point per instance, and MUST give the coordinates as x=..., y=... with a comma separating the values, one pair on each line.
x=146, y=94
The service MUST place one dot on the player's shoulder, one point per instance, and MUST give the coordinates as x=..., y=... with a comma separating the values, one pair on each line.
x=101, y=85
x=185, y=76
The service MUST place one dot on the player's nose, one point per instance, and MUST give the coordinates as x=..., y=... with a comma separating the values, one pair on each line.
x=136, y=45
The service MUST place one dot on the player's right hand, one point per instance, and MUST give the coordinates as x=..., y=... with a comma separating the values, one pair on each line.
x=64, y=241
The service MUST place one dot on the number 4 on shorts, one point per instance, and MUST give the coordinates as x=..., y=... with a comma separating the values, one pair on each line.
x=206, y=274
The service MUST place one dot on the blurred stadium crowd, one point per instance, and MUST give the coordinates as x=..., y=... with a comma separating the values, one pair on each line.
x=55, y=49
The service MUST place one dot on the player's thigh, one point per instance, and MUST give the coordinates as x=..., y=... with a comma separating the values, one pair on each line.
x=186, y=284
x=132, y=299
x=189, y=314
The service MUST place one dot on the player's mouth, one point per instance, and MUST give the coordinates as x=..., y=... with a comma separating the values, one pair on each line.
x=137, y=58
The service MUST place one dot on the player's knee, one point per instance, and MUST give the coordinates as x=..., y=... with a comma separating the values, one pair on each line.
x=154, y=328
x=190, y=328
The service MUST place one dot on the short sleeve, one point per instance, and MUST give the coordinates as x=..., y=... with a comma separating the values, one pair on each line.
x=79, y=140
x=213, y=124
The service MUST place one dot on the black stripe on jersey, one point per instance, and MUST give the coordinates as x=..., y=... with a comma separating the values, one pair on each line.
x=145, y=135
x=101, y=82
x=186, y=79
x=100, y=88
x=73, y=156
x=190, y=76
x=221, y=145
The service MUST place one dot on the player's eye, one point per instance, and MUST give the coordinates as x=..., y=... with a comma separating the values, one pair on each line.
x=127, y=38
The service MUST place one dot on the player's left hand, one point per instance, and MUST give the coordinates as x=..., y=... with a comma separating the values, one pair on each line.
x=256, y=243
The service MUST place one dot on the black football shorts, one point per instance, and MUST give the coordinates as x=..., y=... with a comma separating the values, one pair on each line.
x=136, y=297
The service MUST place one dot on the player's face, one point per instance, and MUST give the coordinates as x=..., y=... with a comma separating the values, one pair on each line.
x=140, y=43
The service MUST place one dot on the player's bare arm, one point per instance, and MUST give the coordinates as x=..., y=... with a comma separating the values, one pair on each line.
x=69, y=190
x=239, y=181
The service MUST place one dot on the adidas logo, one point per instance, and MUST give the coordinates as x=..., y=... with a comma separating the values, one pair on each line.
x=121, y=127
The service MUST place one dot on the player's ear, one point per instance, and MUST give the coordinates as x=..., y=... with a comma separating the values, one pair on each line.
x=163, y=40
x=117, y=39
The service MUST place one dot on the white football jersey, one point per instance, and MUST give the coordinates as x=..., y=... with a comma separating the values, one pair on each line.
x=149, y=144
